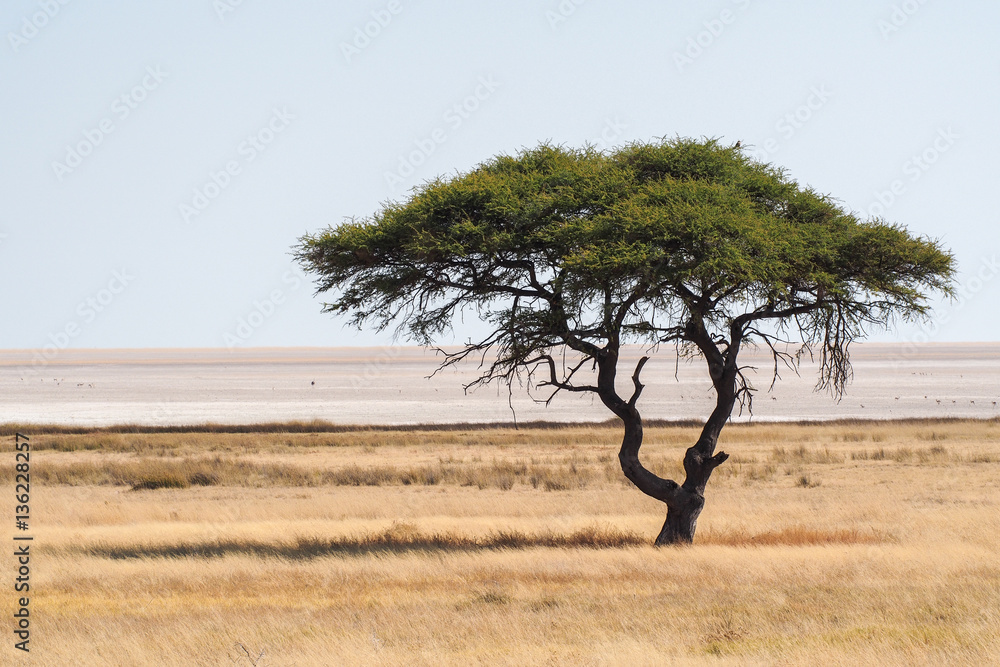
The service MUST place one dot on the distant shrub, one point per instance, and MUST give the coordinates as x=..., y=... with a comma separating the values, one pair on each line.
x=807, y=482
x=492, y=597
x=204, y=479
x=160, y=481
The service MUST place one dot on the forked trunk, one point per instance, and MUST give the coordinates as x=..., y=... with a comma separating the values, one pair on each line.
x=684, y=501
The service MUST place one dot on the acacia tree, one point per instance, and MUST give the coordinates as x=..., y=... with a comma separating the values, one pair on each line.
x=571, y=254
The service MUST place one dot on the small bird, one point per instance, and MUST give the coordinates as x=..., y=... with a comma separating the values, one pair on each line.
x=738, y=144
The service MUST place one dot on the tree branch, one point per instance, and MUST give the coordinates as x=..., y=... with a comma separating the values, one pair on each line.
x=635, y=380
x=554, y=381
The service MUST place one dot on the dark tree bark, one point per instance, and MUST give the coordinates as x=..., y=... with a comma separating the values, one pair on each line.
x=684, y=501
x=700, y=461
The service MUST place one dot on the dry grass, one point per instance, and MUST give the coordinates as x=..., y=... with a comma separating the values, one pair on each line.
x=146, y=473
x=398, y=538
x=850, y=543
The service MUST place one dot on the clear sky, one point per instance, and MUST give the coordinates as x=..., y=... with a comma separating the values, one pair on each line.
x=159, y=159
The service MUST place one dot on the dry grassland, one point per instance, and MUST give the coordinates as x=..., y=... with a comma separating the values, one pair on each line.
x=821, y=544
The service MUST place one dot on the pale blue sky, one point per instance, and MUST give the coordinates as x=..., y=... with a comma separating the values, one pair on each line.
x=102, y=243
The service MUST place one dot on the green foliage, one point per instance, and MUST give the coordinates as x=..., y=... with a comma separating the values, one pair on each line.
x=680, y=241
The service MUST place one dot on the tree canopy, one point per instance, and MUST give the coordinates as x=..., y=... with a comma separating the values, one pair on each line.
x=680, y=241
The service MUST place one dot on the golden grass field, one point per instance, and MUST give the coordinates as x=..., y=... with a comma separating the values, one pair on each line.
x=852, y=543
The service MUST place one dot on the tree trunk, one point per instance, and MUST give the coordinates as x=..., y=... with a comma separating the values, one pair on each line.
x=682, y=520
x=684, y=501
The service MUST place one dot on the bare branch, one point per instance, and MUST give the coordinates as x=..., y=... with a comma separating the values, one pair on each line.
x=635, y=380
x=554, y=381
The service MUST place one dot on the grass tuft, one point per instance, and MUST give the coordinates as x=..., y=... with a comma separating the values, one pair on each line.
x=162, y=481
x=801, y=454
x=807, y=482
x=794, y=536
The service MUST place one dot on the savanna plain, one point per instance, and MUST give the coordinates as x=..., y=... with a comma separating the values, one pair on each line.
x=837, y=543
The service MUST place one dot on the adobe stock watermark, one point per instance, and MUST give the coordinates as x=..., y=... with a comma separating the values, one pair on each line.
x=791, y=122
x=376, y=368
x=966, y=292
x=246, y=152
x=613, y=130
x=900, y=15
x=913, y=169
x=159, y=414
x=262, y=310
x=33, y=24
x=223, y=7
x=87, y=311
x=121, y=108
x=363, y=35
x=562, y=12
x=454, y=117
x=698, y=43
